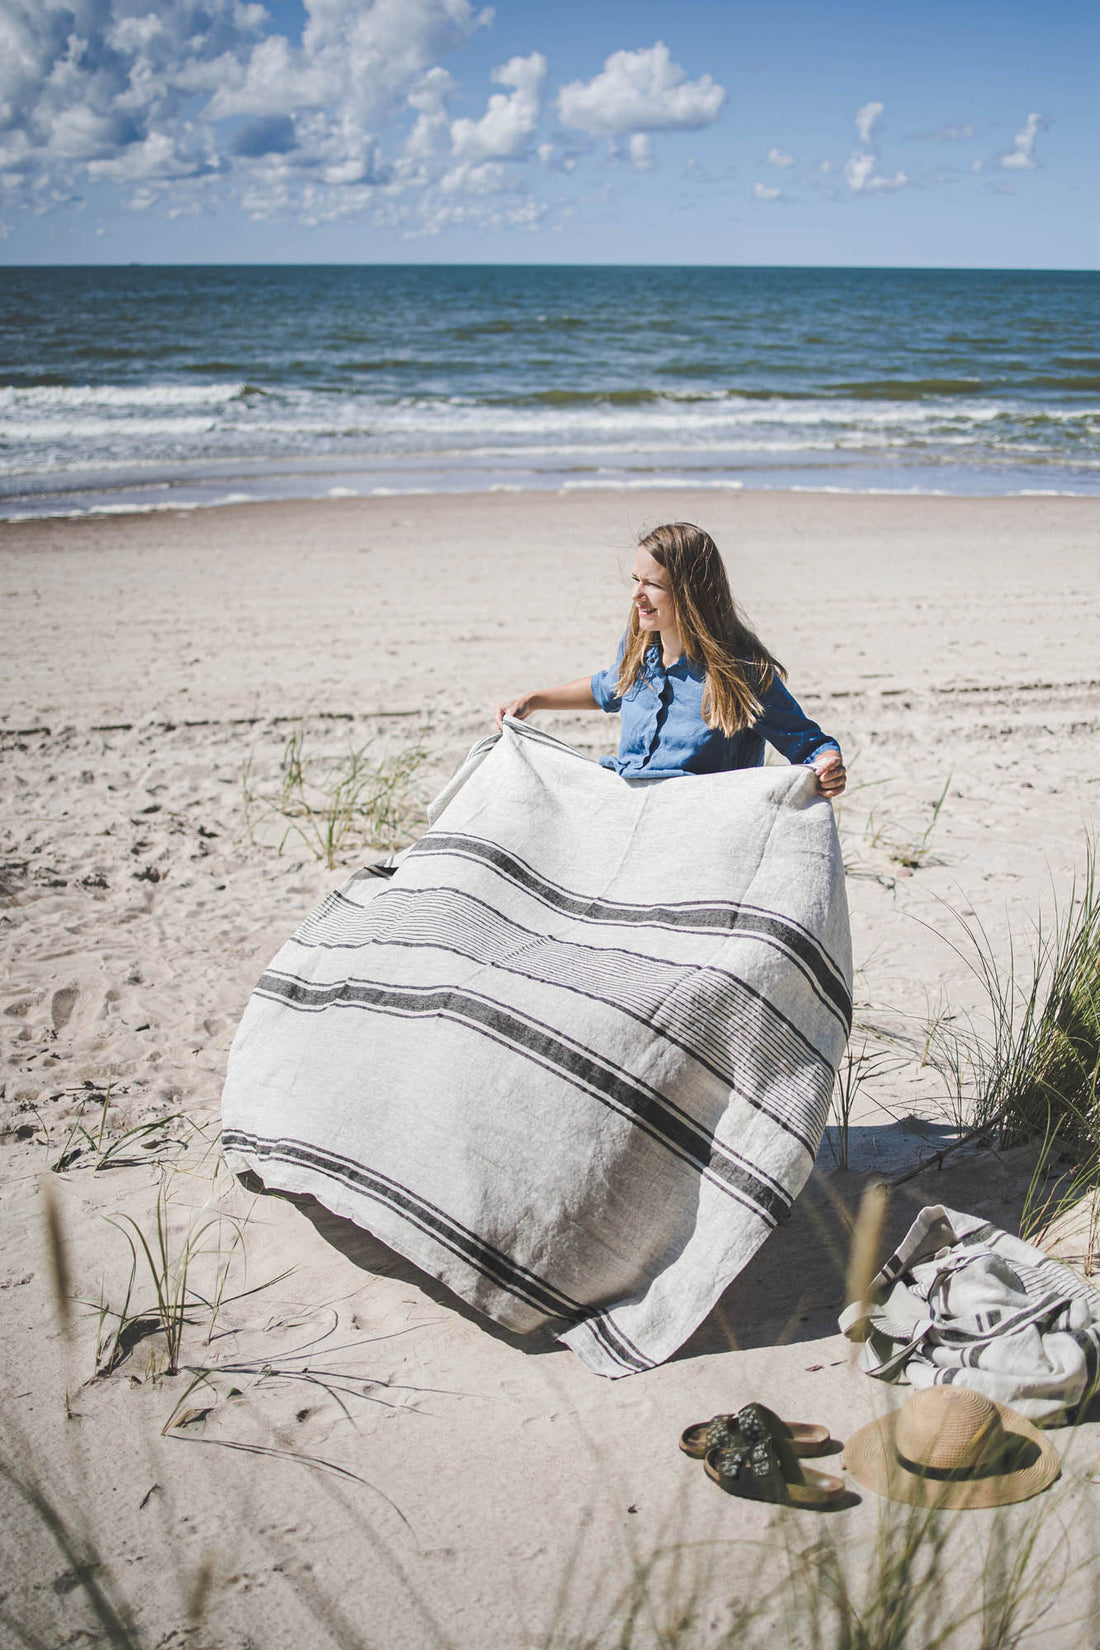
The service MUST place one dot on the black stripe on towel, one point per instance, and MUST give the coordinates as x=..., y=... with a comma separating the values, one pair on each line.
x=578, y=1065
x=617, y=1345
x=492, y=1263
x=695, y=916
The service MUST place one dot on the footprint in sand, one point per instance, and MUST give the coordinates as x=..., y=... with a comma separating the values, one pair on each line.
x=61, y=1006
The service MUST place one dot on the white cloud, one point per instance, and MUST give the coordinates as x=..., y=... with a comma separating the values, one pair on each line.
x=186, y=106
x=144, y=198
x=865, y=120
x=433, y=214
x=133, y=93
x=508, y=125
x=764, y=193
x=860, y=167
x=859, y=170
x=487, y=179
x=552, y=155
x=156, y=157
x=641, y=91
x=87, y=81
x=429, y=98
x=362, y=57
x=776, y=157
x=641, y=151
x=1021, y=157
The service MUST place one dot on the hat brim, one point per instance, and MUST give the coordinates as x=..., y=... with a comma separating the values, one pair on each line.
x=870, y=1457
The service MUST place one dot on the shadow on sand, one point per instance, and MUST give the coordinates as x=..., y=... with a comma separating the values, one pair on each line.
x=761, y=1308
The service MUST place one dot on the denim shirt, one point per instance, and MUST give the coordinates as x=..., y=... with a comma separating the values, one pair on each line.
x=664, y=734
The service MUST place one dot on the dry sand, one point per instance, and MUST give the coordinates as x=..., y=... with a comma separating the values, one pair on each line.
x=500, y=1498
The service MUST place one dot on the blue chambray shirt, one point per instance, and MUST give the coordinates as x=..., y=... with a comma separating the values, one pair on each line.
x=664, y=734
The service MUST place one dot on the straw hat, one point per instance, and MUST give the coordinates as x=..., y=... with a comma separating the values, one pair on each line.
x=951, y=1447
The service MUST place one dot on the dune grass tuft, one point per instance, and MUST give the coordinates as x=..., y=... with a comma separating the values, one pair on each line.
x=856, y=1068
x=335, y=803
x=169, y=1262
x=154, y=1141
x=1033, y=1066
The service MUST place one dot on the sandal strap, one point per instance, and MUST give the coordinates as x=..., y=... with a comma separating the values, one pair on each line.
x=752, y=1471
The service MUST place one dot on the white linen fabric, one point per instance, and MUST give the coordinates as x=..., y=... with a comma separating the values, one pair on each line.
x=961, y=1302
x=572, y=1052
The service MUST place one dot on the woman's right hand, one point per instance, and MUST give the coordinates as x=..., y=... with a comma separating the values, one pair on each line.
x=520, y=708
x=569, y=696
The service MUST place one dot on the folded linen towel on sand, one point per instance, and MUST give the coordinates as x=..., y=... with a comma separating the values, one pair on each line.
x=574, y=1057
x=961, y=1302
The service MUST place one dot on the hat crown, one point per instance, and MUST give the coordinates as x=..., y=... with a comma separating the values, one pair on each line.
x=949, y=1429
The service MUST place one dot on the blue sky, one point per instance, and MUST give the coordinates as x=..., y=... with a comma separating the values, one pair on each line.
x=656, y=131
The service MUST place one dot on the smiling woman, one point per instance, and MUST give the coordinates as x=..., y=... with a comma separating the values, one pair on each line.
x=571, y=1052
x=697, y=689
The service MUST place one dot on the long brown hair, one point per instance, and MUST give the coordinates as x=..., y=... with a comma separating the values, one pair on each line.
x=738, y=666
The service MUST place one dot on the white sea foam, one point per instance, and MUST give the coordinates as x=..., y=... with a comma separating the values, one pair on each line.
x=884, y=492
x=382, y=443
x=123, y=508
x=91, y=422
x=655, y=483
x=120, y=395
x=136, y=430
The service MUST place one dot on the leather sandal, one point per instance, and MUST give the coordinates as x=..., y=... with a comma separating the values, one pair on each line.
x=803, y=1437
x=755, y=1472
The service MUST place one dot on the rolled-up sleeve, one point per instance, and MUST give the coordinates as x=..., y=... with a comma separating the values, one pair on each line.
x=605, y=683
x=785, y=725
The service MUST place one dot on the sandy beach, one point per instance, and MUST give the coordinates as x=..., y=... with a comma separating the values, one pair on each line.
x=433, y=1482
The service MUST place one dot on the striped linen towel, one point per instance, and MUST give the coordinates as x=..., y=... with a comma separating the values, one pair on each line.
x=572, y=1053
x=961, y=1302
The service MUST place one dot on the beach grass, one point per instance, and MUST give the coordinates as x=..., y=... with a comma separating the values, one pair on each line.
x=166, y=1261
x=911, y=849
x=1030, y=1065
x=333, y=804
x=153, y=1141
x=857, y=1068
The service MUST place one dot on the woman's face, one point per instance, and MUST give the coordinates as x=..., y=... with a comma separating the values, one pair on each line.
x=652, y=595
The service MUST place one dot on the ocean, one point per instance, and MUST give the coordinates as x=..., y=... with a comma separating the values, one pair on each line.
x=165, y=387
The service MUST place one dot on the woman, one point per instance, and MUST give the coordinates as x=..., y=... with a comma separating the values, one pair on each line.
x=697, y=689
x=580, y=1103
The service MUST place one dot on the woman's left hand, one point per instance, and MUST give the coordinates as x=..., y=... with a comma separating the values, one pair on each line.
x=832, y=775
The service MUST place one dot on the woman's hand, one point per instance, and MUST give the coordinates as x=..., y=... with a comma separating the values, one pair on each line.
x=832, y=775
x=520, y=708
x=569, y=696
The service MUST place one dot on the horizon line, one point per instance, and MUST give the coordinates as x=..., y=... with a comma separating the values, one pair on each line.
x=441, y=263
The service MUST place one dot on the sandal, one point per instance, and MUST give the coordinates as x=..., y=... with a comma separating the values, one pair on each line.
x=803, y=1437
x=756, y=1472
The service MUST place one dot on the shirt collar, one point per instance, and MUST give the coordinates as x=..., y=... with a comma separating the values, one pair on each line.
x=683, y=667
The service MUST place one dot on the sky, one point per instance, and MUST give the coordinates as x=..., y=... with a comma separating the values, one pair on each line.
x=590, y=131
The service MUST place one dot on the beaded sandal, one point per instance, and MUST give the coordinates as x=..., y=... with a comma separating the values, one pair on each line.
x=755, y=1472
x=803, y=1437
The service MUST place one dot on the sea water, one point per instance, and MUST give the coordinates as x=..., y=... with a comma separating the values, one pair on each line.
x=149, y=387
